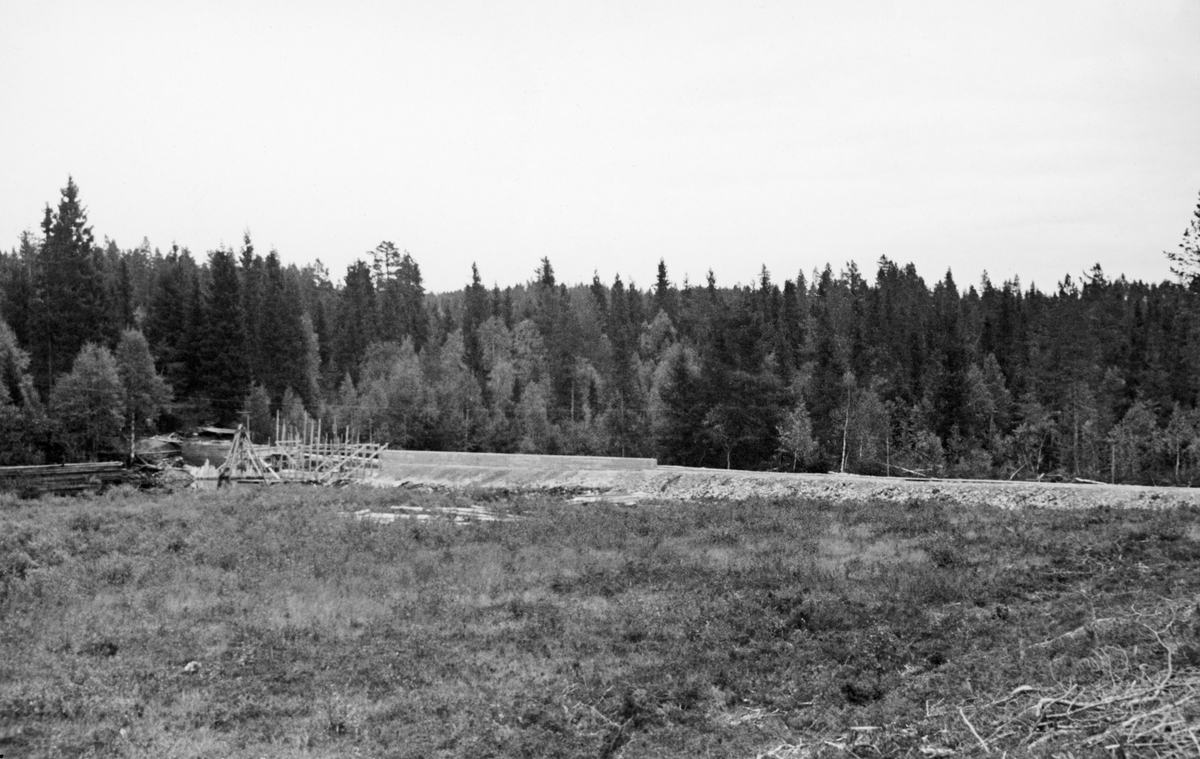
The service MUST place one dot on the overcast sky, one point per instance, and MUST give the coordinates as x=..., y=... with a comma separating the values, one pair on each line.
x=1023, y=138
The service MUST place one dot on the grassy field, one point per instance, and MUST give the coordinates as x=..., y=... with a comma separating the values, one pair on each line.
x=263, y=623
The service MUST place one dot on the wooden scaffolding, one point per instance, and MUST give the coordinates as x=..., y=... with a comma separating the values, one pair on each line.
x=307, y=453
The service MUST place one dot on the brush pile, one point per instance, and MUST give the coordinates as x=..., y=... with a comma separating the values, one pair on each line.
x=1137, y=694
x=1143, y=698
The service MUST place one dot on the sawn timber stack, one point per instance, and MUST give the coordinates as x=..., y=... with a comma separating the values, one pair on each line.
x=62, y=478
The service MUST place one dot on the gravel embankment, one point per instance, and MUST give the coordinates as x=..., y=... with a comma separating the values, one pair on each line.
x=684, y=483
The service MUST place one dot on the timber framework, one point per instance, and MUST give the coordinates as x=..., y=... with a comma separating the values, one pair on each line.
x=309, y=454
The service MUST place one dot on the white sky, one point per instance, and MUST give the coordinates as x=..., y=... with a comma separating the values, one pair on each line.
x=1025, y=138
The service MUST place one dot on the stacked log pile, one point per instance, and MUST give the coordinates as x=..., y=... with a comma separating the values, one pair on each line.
x=62, y=478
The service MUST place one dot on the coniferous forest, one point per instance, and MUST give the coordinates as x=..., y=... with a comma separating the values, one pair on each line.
x=1098, y=379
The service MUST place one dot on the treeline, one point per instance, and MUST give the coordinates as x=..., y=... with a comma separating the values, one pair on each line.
x=1098, y=379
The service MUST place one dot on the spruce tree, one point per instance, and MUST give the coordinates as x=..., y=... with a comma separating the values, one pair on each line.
x=320, y=327
x=17, y=285
x=224, y=366
x=665, y=295
x=545, y=273
x=284, y=347
x=169, y=314
x=194, y=340
x=121, y=297
x=789, y=341
x=625, y=402
x=949, y=374
x=69, y=303
x=475, y=313
x=252, y=281
x=826, y=392
x=679, y=438
x=356, y=321
x=600, y=298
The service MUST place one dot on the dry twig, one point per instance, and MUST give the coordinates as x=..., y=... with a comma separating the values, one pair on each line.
x=974, y=732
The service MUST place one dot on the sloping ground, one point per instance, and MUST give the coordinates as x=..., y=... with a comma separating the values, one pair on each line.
x=558, y=473
x=515, y=460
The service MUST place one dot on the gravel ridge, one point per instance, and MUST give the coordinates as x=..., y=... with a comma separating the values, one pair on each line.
x=689, y=483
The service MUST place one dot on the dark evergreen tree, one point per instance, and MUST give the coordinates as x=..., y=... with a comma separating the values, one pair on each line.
x=252, y=278
x=624, y=401
x=17, y=287
x=356, y=321
x=194, y=341
x=385, y=268
x=224, y=366
x=859, y=352
x=680, y=438
x=790, y=331
x=284, y=346
x=637, y=306
x=502, y=305
x=666, y=297
x=121, y=297
x=174, y=303
x=324, y=337
x=545, y=273
x=1005, y=330
x=414, y=318
x=744, y=412
x=599, y=295
x=826, y=391
x=475, y=313
x=69, y=305
x=949, y=380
